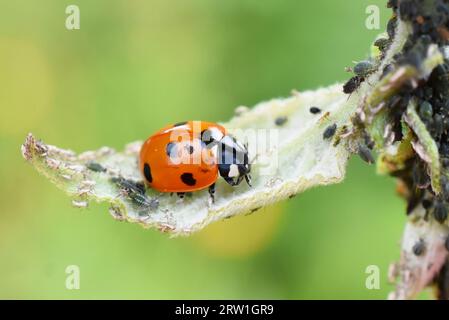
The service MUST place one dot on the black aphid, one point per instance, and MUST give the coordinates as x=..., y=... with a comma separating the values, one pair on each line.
x=419, y=248
x=445, y=188
x=364, y=68
x=391, y=27
x=136, y=192
x=415, y=198
x=95, y=166
x=437, y=129
x=425, y=111
x=427, y=204
x=368, y=141
x=419, y=175
x=352, y=84
x=129, y=185
x=279, y=121
x=142, y=200
x=382, y=43
x=314, y=110
x=330, y=131
x=365, y=154
x=440, y=211
x=445, y=162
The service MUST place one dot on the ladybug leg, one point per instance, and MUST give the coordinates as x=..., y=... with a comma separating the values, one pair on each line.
x=181, y=195
x=248, y=179
x=212, y=192
x=230, y=181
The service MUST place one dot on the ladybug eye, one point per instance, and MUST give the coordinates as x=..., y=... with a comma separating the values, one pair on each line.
x=211, y=135
x=169, y=149
x=206, y=136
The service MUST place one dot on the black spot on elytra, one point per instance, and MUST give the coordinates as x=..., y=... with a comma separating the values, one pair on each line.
x=190, y=149
x=147, y=172
x=188, y=179
x=206, y=137
x=169, y=148
x=179, y=123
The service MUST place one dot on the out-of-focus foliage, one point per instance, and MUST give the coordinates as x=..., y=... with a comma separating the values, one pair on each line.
x=135, y=66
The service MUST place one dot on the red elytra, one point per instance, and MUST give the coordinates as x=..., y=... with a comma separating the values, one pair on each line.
x=175, y=159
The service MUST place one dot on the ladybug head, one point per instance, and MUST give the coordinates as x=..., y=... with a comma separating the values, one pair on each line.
x=233, y=162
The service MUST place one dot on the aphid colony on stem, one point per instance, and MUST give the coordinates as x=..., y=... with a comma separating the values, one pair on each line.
x=432, y=96
x=408, y=114
x=430, y=25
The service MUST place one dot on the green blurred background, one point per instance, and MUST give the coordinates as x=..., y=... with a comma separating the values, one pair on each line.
x=135, y=66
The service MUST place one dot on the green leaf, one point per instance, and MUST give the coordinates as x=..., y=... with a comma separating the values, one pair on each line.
x=296, y=159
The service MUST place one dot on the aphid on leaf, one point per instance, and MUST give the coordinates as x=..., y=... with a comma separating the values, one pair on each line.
x=314, y=110
x=352, y=84
x=136, y=192
x=279, y=121
x=95, y=166
x=368, y=141
x=365, y=154
x=364, y=68
x=330, y=131
x=391, y=26
x=128, y=185
x=143, y=201
x=382, y=43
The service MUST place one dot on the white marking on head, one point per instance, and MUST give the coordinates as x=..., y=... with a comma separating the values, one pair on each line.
x=233, y=171
x=215, y=134
x=228, y=142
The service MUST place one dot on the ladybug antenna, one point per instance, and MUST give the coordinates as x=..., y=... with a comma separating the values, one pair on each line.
x=253, y=159
x=248, y=179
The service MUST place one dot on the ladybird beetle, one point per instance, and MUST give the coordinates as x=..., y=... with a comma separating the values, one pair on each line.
x=189, y=156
